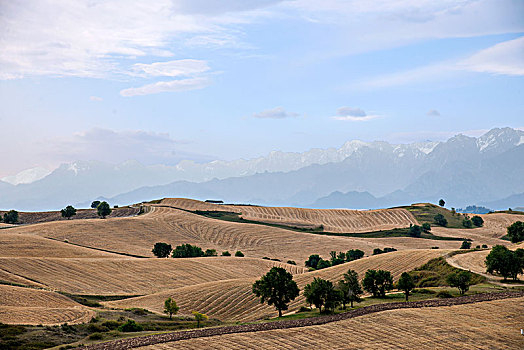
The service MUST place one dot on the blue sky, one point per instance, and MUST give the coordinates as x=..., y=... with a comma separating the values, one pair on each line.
x=203, y=80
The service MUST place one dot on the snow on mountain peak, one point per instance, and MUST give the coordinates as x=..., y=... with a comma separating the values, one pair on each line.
x=27, y=176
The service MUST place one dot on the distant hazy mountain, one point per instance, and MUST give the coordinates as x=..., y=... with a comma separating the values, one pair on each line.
x=514, y=201
x=463, y=170
x=27, y=176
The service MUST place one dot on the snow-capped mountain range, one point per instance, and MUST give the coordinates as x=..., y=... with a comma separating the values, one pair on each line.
x=417, y=170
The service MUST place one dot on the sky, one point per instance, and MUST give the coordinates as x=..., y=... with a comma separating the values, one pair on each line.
x=168, y=80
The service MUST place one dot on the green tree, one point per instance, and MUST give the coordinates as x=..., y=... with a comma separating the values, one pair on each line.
x=467, y=223
x=354, y=254
x=426, y=227
x=210, y=252
x=187, y=251
x=415, y=231
x=11, y=217
x=276, y=288
x=322, y=264
x=440, y=220
x=461, y=280
x=505, y=262
x=350, y=288
x=320, y=293
x=239, y=254
x=378, y=282
x=441, y=202
x=477, y=221
x=199, y=317
x=170, y=307
x=103, y=209
x=95, y=204
x=68, y=211
x=226, y=253
x=465, y=244
x=515, y=231
x=162, y=250
x=406, y=284
x=312, y=261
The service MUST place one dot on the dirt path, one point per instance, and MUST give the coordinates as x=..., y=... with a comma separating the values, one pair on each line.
x=208, y=332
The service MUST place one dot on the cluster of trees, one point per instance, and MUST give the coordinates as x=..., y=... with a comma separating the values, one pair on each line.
x=171, y=308
x=505, y=262
x=474, y=221
x=102, y=208
x=378, y=251
x=11, y=217
x=336, y=258
x=164, y=250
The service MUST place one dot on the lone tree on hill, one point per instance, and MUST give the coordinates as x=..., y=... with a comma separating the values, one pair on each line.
x=440, y=220
x=515, y=231
x=320, y=293
x=95, y=204
x=350, y=288
x=162, y=250
x=170, y=307
x=441, y=202
x=406, y=284
x=68, y=211
x=103, y=209
x=477, y=221
x=11, y=217
x=461, y=280
x=378, y=282
x=199, y=317
x=505, y=262
x=276, y=288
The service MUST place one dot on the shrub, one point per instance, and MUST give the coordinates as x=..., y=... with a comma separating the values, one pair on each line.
x=291, y=262
x=239, y=254
x=440, y=220
x=11, y=217
x=187, y=251
x=304, y=309
x=93, y=328
x=96, y=336
x=423, y=291
x=515, y=231
x=226, y=253
x=275, y=259
x=354, y=254
x=484, y=246
x=444, y=294
x=467, y=223
x=377, y=251
x=130, y=326
x=477, y=247
x=162, y=250
x=111, y=324
x=477, y=221
x=435, y=247
x=415, y=231
x=465, y=244
x=322, y=264
x=266, y=258
x=426, y=227
x=210, y=252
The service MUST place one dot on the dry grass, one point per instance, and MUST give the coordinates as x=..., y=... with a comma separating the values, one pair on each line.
x=333, y=220
x=233, y=300
x=33, y=306
x=130, y=276
x=137, y=235
x=494, y=228
x=486, y=325
x=29, y=245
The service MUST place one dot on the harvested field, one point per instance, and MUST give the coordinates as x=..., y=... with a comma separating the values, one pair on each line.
x=21, y=245
x=46, y=216
x=129, y=276
x=333, y=220
x=494, y=228
x=473, y=261
x=485, y=325
x=137, y=235
x=233, y=300
x=33, y=306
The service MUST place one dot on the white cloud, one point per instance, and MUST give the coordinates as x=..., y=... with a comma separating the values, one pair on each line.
x=504, y=58
x=275, y=113
x=186, y=67
x=433, y=113
x=353, y=115
x=96, y=98
x=168, y=86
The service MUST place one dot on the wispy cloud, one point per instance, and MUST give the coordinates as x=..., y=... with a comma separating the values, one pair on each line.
x=505, y=58
x=96, y=98
x=275, y=113
x=353, y=115
x=433, y=113
x=186, y=67
x=168, y=86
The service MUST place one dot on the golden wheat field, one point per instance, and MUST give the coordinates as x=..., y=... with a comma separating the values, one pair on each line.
x=486, y=325
x=137, y=235
x=29, y=245
x=132, y=276
x=34, y=306
x=333, y=220
x=233, y=300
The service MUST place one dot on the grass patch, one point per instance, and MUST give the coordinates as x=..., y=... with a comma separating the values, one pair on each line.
x=434, y=274
x=425, y=213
